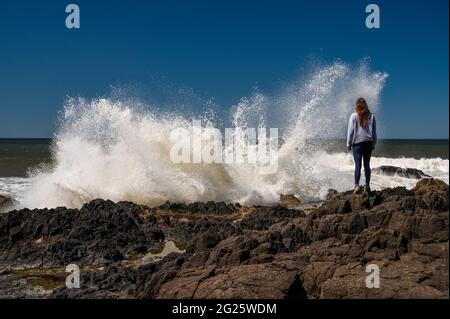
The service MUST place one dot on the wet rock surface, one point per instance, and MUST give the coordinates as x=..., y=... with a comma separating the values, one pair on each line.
x=229, y=251
x=3, y=200
x=399, y=171
x=6, y=203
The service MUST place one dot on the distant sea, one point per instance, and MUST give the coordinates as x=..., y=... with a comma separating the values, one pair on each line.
x=408, y=148
x=19, y=155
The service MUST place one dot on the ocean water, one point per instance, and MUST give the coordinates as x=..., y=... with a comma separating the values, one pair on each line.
x=120, y=149
x=19, y=155
x=21, y=159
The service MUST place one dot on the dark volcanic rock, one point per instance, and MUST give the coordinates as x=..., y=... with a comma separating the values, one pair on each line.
x=242, y=252
x=187, y=232
x=100, y=232
x=263, y=217
x=199, y=208
x=403, y=172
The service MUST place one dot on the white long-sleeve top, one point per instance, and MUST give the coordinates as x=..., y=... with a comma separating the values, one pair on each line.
x=357, y=134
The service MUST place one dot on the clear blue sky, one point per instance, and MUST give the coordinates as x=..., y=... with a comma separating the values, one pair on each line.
x=219, y=49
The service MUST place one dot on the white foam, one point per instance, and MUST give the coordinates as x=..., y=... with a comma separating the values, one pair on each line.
x=343, y=163
x=14, y=187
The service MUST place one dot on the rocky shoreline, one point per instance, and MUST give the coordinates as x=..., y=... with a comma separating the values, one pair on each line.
x=221, y=250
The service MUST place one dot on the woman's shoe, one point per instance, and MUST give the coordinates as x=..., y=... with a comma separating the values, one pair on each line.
x=367, y=189
x=356, y=190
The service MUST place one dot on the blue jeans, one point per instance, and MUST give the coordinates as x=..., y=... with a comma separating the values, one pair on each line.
x=361, y=153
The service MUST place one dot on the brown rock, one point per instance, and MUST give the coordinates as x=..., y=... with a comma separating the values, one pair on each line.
x=432, y=194
x=4, y=202
x=289, y=200
x=252, y=281
x=185, y=284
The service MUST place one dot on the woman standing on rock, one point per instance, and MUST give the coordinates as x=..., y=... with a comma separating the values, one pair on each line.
x=362, y=137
